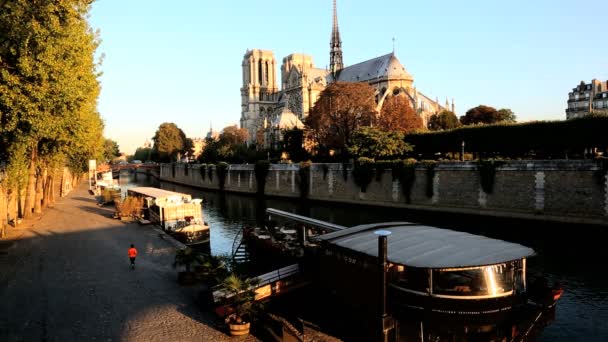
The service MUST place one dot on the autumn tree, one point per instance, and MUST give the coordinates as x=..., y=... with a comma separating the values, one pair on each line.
x=397, y=114
x=293, y=144
x=443, y=120
x=341, y=109
x=372, y=142
x=233, y=135
x=169, y=142
x=486, y=115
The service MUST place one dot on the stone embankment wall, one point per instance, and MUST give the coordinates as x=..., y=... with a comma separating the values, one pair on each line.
x=573, y=191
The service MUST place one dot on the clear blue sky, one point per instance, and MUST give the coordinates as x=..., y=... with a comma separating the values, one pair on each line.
x=180, y=61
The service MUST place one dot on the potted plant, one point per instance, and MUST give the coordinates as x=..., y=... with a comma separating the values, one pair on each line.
x=186, y=257
x=210, y=269
x=241, y=304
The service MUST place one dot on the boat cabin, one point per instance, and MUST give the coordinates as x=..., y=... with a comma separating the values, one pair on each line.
x=429, y=269
x=169, y=209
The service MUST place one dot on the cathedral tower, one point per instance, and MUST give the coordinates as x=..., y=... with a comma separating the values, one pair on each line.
x=335, y=52
x=259, y=91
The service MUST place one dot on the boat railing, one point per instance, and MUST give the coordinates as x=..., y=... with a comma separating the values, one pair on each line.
x=306, y=220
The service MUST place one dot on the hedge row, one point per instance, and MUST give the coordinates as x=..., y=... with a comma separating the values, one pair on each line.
x=546, y=137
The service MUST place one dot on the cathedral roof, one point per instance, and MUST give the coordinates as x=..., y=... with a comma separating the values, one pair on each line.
x=287, y=120
x=387, y=66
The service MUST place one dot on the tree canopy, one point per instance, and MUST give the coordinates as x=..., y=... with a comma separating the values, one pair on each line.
x=110, y=149
x=397, y=114
x=340, y=110
x=483, y=114
x=169, y=142
x=375, y=143
x=48, y=90
x=443, y=120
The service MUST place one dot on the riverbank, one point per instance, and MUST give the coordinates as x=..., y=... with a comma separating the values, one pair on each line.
x=565, y=191
x=66, y=277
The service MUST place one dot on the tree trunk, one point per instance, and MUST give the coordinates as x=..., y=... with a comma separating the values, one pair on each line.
x=48, y=185
x=39, y=192
x=30, y=194
x=3, y=210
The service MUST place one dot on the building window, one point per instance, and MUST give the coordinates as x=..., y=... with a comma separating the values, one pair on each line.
x=586, y=95
x=576, y=97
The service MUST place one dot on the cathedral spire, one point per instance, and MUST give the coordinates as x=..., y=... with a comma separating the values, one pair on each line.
x=335, y=53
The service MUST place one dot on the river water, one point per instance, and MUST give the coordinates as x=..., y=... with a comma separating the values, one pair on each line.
x=574, y=255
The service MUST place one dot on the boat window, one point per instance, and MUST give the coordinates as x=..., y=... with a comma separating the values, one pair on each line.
x=484, y=281
x=410, y=278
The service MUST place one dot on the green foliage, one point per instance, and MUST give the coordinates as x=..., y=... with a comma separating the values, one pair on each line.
x=304, y=178
x=405, y=172
x=145, y=154
x=242, y=297
x=487, y=173
x=372, y=142
x=48, y=89
x=169, y=142
x=487, y=115
x=262, y=167
x=222, y=171
x=363, y=172
x=443, y=120
x=110, y=149
x=186, y=257
x=539, y=140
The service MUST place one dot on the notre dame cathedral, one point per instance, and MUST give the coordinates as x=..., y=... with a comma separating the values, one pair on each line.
x=267, y=109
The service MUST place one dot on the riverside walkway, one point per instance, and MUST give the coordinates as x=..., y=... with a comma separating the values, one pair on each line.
x=66, y=277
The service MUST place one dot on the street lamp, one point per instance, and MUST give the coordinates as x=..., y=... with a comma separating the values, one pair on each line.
x=386, y=322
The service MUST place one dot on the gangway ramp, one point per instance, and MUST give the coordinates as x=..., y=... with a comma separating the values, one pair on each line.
x=305, y=220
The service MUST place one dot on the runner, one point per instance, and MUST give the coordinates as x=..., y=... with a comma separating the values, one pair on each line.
x=132, y=256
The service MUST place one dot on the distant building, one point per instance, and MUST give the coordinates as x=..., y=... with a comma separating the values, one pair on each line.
x=147, y=144
x=588, y=98
x=267, y=109
x=212, y=135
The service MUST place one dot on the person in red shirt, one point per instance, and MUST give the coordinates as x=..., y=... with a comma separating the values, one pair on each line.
x=132, y=255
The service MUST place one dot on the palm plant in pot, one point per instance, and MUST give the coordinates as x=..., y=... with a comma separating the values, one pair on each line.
x=240, y=294
x=186, y=257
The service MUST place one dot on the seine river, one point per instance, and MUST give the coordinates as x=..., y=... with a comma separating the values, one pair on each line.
x=574, y=255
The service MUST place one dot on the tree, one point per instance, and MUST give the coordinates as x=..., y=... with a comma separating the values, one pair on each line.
x=506, y=115
x=232, y=135
x=339, y=111
x=293, y=144
x=110, y=149
x=397, y=114
x=169, y=142
x=487, y=115
x=443, y=120
x=48, y=91
x=145, y=154
x=372, y=142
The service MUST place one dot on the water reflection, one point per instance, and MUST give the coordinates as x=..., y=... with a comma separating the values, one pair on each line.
x=573, y=255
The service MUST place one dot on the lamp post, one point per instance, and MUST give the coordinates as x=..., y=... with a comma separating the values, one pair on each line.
x=462, y=151
x=386, y=322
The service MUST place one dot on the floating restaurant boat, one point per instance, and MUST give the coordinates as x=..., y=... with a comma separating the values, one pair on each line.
x=434, y=270
x=429, y=274
x=176, y=213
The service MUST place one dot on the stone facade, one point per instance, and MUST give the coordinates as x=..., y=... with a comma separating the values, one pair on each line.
x=588, y=98
x=266, y=110
x=566, y=190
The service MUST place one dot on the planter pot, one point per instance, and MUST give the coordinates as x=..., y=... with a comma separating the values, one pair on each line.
x=239, y=329
x=186, y=278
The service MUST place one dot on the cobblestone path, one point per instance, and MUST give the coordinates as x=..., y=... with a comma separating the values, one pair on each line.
x=68, y=279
